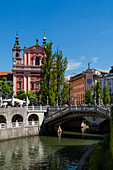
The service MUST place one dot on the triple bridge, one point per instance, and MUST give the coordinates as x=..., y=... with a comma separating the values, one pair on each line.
x=71, y=113
x=27, y=117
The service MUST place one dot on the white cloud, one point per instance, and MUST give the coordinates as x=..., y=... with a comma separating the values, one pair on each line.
x=82, y=58
x=72, y=65
x=95, y=59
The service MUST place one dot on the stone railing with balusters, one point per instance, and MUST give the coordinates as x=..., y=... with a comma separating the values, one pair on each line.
x=103, y=111
x=33, y=123
x=36, y=108
x=3, y=125
x=56, y=108
x=19, y=124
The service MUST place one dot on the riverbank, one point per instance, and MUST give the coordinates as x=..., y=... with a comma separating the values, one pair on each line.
x=100, y=157
x=85, y=155
x=82, y=134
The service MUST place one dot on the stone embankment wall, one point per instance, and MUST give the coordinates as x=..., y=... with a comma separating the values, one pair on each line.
x=12, y=133
x=16, y=129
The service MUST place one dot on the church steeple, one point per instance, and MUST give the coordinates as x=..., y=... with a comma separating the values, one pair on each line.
x=17, y=45
x=16, y=49
x=37, y=41
x=44, y=40
x=25, y=45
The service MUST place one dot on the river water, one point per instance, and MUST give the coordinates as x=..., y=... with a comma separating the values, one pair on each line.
x=42, y=153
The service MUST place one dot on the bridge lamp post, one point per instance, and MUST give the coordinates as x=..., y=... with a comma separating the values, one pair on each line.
x=99, y=99
x=47, y=101
x=57, y=102
x=75, y=100
x=1, y=101
x=60, y=100
x=94, y=98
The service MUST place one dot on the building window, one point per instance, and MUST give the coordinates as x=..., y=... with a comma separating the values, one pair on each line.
x=37, y=86
x=89, y=83
x=109, y=82
x=32, y=85
x=104, y=82
x=101, y=83
x=37, y=61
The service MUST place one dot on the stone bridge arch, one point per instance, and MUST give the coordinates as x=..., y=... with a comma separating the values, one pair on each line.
x=3, y=119
x=33, y=116
x=61, y=116
x=40, y=116
x=17, y=117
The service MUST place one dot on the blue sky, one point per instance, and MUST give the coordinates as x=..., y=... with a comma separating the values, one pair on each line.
x=82, y=29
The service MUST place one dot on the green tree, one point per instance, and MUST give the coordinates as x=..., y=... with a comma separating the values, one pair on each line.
x=21, y=94
x=111, y=131
x=6, y=87
x=88, y=96
x=53, y=85
x=106, y=96
x=47, y=87
x=65, y=92
x=52, y=76
x=98, y=91
x=61, y=65
x=32, y=97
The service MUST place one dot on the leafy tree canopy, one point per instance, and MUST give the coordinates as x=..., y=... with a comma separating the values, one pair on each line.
x=106, y=96
x=6, y=87
x=52, y=81
x=21, y=94
x=32, y=97
x=98, y=91
x=88, y=96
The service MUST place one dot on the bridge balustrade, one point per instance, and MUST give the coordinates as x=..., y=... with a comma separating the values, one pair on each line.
x=35, y=108
x=33, y=123
x=99, y=109
x=56, y=108
x=17, y=124
x=3, y=125
x=103, y=110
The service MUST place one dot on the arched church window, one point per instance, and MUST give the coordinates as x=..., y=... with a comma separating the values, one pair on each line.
x=37, y=61
x=17, y=54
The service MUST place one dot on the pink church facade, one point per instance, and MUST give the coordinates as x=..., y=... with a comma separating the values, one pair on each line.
x=26, y=69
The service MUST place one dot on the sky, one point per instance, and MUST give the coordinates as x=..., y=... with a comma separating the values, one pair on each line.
x=82, y=29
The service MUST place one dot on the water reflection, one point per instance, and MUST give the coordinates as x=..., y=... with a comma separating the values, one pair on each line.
x=41, y=153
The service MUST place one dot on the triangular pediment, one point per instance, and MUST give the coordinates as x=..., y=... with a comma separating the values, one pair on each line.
x=35, y=48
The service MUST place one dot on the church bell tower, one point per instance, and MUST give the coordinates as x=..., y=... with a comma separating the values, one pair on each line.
x=16, y=50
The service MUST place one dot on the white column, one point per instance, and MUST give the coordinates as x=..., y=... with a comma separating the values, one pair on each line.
x=28, y=83
x=33, y=61
x=28, y=58
x=25, y=83
x=40, y=61
x=14, y=82
x=25, y=59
